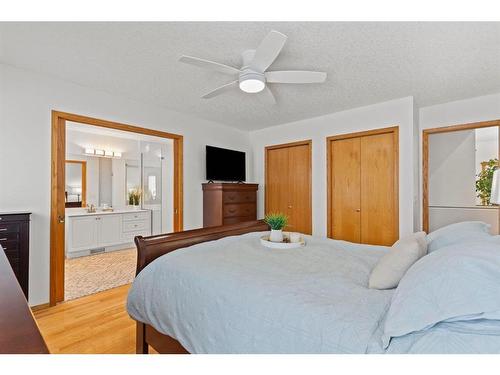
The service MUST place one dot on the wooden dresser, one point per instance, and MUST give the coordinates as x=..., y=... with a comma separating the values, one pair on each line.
x=14, y=239
x=229, y=203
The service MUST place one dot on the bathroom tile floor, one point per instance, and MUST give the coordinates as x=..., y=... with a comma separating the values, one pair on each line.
x=95, y=273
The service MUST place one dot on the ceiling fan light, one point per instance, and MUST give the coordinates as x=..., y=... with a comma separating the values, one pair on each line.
x=252, y=85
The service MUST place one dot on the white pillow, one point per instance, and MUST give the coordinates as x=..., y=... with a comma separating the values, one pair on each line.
x=391, y=268
x=457, y=283
x=421, y=238
x=458, y=233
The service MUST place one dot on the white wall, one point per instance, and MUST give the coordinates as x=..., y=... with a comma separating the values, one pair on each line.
x=452, y=170
x=118, y=185
x=396, y=112
x=486, y=146
x=482, y=108
x=417, y=190
x=26, y=101
x=105, y=182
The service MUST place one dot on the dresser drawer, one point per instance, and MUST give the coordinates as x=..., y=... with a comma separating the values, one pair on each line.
x=234, y=220
x=136, y=216
x=16, y=217
x=9, y=244
x=239, y=196
x=6, y=227
x=8, y=236
x=242, y=209
x=134, y=226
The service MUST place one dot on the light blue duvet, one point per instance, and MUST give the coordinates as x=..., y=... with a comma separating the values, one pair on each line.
x=235, y=296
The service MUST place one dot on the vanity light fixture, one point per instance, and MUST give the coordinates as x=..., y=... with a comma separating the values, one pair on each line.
x=105, y=153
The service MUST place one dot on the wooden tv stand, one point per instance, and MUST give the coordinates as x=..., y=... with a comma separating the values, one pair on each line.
x=229, y=203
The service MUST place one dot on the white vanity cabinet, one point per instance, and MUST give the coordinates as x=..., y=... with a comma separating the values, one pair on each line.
x=106, y=231
x=109, y=228
x=81, y=233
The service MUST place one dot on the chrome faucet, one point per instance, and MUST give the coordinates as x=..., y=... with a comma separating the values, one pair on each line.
x=90, y=209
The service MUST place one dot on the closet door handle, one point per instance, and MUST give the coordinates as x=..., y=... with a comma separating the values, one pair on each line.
x=358, y=209
x=290, y=206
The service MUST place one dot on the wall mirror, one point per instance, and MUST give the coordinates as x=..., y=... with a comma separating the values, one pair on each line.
x=76, y=183
x=460, y=174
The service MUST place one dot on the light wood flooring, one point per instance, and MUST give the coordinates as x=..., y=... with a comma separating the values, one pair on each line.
x=97, y=324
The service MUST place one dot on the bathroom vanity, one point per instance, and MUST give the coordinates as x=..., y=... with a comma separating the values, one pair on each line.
x=88, y=233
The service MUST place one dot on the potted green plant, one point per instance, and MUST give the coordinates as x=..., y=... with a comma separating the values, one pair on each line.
x=134, y=197
x=277, y=221
x=485, y=180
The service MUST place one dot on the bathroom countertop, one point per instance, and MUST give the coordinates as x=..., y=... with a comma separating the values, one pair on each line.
x=74, y=212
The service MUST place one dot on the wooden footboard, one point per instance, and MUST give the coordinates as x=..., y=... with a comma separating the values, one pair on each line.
x=152, y=247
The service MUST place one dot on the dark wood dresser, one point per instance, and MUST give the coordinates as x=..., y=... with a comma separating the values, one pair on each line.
x=14, y=239
x=229, y=203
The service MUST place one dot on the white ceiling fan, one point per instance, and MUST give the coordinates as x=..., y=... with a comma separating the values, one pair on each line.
x=253, y=75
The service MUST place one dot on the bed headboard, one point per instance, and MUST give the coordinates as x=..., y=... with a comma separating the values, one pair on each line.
x=151, y=247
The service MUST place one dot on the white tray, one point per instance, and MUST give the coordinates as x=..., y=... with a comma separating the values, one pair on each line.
x=264, y=240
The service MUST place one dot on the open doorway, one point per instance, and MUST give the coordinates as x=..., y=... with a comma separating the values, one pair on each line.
x=110, y=183
x=458, y=166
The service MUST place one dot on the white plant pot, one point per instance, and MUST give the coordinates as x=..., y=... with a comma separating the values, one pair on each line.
x=276, y=235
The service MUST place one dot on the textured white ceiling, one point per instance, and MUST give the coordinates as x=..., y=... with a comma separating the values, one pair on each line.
x=366, y=63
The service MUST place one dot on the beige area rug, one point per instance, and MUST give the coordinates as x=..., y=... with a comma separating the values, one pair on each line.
x=95, y=273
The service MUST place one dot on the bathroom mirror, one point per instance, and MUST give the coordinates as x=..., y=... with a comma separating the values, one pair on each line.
x=76, y=183
x=132, y=181
x=461, y=166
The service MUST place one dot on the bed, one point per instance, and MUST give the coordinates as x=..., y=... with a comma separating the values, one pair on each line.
x=217, y=290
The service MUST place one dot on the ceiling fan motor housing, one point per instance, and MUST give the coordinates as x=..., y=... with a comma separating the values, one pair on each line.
x=250, y=81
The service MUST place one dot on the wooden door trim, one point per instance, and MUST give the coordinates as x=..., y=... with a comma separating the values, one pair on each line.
x=58, y=159
x=425, y=158
x=84, y=178
x=307, y=143
x=329, y=177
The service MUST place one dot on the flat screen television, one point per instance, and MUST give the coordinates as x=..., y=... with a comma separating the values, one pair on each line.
x=225, y=165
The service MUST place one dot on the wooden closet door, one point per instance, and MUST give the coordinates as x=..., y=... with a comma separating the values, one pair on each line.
x=277, y=186
x=379, y=189
x=288, y=184
x=299, y=187
x=345, y=189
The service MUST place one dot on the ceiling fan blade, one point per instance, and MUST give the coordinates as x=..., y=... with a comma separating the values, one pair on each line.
x=267, y=51
x=220, y=90
x=212, y=65
x=295, y=76
x=267, y=96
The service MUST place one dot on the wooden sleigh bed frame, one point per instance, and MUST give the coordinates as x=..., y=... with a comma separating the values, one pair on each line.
x=152, y=247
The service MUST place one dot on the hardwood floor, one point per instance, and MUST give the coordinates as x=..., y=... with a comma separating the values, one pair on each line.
x=95, y=324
